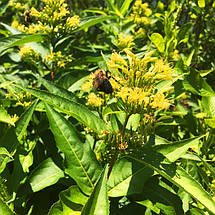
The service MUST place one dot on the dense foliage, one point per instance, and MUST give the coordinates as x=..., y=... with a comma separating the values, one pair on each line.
x=107, y=107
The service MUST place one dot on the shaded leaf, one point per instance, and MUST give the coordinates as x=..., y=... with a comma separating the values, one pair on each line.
x=178, y=176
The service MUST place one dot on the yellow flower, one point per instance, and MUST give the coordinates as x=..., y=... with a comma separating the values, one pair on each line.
x=141, y=12
x=34, y=12
x=162, y=70
x=14, y=118
x=15, y=24
x=117, y=62
x=61, y=63
x=125, y=41
x=87, y=86
x=124, y=93
x=114, y=84
x=73, y=22
x=63, y=10
x=94, y=100
x=160, y=102
x=26, y=50
x=50, y=57
x=33, y=29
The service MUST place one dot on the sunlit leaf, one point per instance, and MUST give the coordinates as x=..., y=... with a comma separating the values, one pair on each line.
x=46, y=174
x=4, y=209
x=98, y=202
x=81, y=163
x=158, y=40
x=5, y=117
x=129, y=181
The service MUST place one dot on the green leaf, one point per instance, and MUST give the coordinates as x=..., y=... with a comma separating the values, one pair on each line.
x=158, y=40
x=19, y=39
x=24, y=120
x=93, y=20
x=129, y=181
x=184, y=32
x=77, y=110
x=172, y=6
x=56, y=90
x=81, y=163
x=71, y=202
x=8, y=144
x=175, y=150
x=4, y=209
x=5, y=117
x=77, y=85
x=159, y=196
x=188, y=61
x=11, y=29
x=178, y=176
x=5, y=157
x=201, y=3
x=147, y=203
x=125, y=6
x=98, y=201
x=113, y=8
x=208, y=104
x=46, y=174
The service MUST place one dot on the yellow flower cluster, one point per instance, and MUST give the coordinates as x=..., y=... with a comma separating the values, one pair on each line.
x=58, y=59
x=28, y=53
x=94, y=100
x=31, y=29
x=55, y=17
x=139, y=78
x=141, y=13
x=134, y=95
x=135, y=82
x=125, y=41
x=73, y=22
x=18, y=5
x=160, y=102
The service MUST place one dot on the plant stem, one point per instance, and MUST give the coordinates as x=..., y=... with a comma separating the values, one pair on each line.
x=117, y=148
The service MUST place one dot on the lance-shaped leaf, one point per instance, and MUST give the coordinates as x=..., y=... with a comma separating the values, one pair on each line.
x=80, y=161
x=77, y=110
x=98, y=203
x=23, y=121
x=19, y=39
x=177, y=176
x=175, y=150
x=93, y=20
x=129, y=181
x=54, y=89
x=46, y=174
